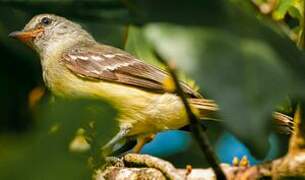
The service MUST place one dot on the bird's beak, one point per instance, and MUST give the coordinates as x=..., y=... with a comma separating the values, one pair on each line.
x=26, y=36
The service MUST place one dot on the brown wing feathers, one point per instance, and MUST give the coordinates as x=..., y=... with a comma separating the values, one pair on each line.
x=111, y=64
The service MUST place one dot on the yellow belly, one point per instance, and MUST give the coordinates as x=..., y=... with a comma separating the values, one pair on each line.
x=144, y=111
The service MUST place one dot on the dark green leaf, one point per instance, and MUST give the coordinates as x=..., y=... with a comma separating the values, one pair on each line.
x=45, y=153
x=243, y=75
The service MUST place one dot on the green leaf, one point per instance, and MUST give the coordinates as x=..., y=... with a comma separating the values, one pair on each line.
x=282, y=9
x=138, y=45
x=235, y=16
x=244, y=65
x=45, y=154
x=243, y=75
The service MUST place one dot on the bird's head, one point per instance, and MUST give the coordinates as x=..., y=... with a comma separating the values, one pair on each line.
x=45, y=32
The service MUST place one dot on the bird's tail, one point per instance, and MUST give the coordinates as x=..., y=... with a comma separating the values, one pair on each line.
x=284, y=123
x=208, y=110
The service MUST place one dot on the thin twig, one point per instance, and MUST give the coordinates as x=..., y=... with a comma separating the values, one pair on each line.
x=195, y=126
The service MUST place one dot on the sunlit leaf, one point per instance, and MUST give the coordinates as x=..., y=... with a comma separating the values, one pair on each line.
x=282, y=8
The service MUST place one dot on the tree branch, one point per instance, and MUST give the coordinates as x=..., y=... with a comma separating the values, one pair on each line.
x=195, y=126
x=292, y=165
x=154, y=168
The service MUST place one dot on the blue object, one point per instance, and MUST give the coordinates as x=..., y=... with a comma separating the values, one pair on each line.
x=229, y=147
x=168, y=143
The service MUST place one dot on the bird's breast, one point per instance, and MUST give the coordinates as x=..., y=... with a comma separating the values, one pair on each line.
x=146, y=111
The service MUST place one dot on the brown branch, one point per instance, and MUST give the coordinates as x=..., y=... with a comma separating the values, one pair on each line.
x=165, y=167
x=119, y=173
x=155, y=168
x=139, y=166
x=195, y=126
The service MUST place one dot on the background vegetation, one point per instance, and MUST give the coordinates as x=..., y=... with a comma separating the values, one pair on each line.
x=247, y=55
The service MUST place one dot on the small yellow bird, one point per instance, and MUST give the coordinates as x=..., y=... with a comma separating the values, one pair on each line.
x=75, y=65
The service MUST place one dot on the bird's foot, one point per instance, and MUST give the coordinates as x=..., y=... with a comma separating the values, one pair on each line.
x=141, y=141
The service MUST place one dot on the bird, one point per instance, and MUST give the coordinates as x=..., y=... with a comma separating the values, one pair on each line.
x=75, y=65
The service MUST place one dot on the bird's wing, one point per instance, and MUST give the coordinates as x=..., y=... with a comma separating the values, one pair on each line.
x=101, y=62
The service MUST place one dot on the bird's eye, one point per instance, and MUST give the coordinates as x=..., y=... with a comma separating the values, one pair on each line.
x=46, y=21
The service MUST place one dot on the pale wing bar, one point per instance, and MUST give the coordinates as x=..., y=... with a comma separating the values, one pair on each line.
x=117, y=66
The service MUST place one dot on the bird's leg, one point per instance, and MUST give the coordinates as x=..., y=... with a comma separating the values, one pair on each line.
x=108, y=148
x=141, y=141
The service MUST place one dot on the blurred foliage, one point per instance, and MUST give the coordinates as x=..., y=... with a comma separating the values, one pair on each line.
x=44, y=152
x=238, y=51
x=288, y=13
x=239, y=65
x=240, y=90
